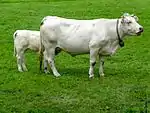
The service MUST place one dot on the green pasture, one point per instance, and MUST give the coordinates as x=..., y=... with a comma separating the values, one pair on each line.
x=125, y=87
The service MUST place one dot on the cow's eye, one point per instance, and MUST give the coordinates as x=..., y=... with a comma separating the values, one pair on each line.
x=129, y=22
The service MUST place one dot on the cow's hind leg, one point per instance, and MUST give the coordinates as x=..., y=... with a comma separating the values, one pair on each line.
x=50, y=54
x=45, y=64
x=46, y=67
x=57, y=51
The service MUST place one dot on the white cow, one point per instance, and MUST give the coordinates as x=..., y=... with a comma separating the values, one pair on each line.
x=98, y=37
x=23, y=40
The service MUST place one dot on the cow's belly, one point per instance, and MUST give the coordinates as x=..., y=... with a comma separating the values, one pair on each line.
x=75, y=46
x=109, y=49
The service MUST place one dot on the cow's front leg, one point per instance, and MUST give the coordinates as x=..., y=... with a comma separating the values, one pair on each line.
x=23, y=64
x=19, y=60
x=93, y=55
x=101, y=68
x=19, y=64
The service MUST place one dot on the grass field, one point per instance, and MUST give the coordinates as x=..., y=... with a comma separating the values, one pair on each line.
x=125, y=87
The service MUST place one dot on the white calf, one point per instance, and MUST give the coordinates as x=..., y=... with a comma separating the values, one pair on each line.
x=97, y=37
x=23, y=40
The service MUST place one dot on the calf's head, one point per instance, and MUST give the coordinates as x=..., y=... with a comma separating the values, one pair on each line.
x=130, y=25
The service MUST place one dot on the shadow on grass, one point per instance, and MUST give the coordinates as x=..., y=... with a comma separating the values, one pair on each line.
x=109, y=71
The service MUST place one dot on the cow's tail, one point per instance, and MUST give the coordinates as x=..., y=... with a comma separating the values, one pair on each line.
x=14, y=37
x=41, y=52
x=41, y=47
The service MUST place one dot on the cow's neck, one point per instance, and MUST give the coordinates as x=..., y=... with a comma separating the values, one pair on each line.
x=120, y=33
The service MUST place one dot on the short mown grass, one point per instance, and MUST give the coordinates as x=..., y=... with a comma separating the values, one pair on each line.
x=125, y=87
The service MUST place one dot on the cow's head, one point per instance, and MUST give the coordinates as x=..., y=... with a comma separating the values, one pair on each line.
x=130, y=25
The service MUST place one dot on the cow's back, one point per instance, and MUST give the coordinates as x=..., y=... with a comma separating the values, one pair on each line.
x=71, y=35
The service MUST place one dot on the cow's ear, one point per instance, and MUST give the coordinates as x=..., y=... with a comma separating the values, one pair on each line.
x=122, y=19
x=122, y=16
x=136, y=18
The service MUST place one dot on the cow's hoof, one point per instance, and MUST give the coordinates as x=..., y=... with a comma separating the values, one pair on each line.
x=25, y=69
x=102, y=75
x=57, y=75
x=91, y=76
x=20, y=71
x=46, y=72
